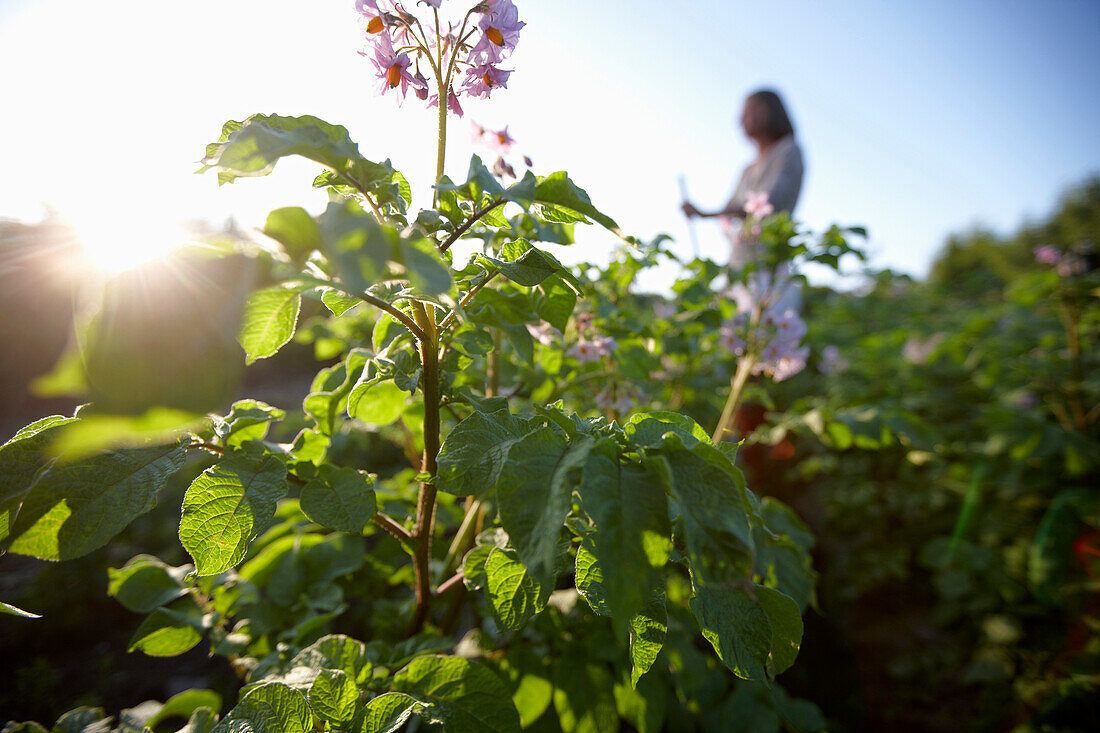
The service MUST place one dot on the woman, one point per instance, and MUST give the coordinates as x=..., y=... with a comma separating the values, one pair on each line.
x=777, y=170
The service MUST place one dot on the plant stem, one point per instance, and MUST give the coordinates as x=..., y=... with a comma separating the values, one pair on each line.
x=441, y=150
x=425, y=504
x=737, y=388
x=468, y=223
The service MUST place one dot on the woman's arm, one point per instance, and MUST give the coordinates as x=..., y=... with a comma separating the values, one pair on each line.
x=732, y=210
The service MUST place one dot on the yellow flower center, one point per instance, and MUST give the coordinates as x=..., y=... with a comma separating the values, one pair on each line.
x=487, y=80
x=375, y=24
x=494, y=35
x=393, y=74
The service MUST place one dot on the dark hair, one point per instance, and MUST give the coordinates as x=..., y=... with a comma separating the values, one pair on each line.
x=777, y=123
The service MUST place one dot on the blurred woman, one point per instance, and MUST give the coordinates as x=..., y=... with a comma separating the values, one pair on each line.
x=776, y=172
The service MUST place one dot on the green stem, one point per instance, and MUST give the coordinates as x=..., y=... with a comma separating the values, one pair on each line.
x=737, y=389
x=425, y=504
x=441, y=150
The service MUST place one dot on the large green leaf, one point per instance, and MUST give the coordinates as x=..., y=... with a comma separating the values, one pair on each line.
x=168, y=632
x=333, y=697
x=514, y=596
x=376, y=401
x=526, y=265
x=340, y=498
x=389, y=712
x=786, y=622
x=633, y=536
x=556, y=189
x=534, y=494
x=296, y=230
x=270, y=708
x=146, y=582
x=737, y=626
x=471, y=458
x=270, y=317
x=74, y=508
x=461, y=695
x=363, y=252
x=226, y=507
x=253, y=147
x=648, y=629
x=510, y=312
x=337, y=652
x=554, y=301
x=185, y=704
x=21, y=458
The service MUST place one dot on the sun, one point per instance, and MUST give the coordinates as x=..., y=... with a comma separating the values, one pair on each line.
x=115, y=241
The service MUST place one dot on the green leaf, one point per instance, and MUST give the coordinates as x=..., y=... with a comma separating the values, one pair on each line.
x=228, y=506
x=480, y=186
x=461, y=695
x=340, y=498
x=15, y=611
x=335, y=651
x=514, y=596
x=168, y=633
x=471, y=458
x=554, y=301
x=329, y=392
x=270, y=317
x=74, y=508
x=525, y=265
x=296, y=230
x=376, y=401
x=589, y=579
x=633, y=536
x=508, y=312
x=756, y=635
x=534, y=494
x=270, y=708
x=333, y=697
x=185, y=704
x=21, y=458
x=249, y=420
x=339, y=302
x=82, y=720
x=648, y=629
x=786, y=623
x=389, y=712
x=714, y=522
x=145, y=583
x=557, y=189
x=253, y=147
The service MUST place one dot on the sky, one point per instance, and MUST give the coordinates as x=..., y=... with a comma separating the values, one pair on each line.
x=916, y=119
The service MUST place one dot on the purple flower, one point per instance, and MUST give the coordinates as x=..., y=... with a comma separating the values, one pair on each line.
x=501, y=168
x=482, y=79
x=544, y=333
x=500, y=28
x=371, y=14
x=392, y=68
x=586, y=350
x=500, y=140
x=452, y=103
x=1048, y=254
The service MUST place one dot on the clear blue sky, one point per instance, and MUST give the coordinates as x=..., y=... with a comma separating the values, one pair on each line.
x=917, y=119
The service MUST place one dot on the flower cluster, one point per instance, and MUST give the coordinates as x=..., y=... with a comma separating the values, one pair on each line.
x=774, y=341
x=1071, y=263
x=592, y=349
x=465, y=58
